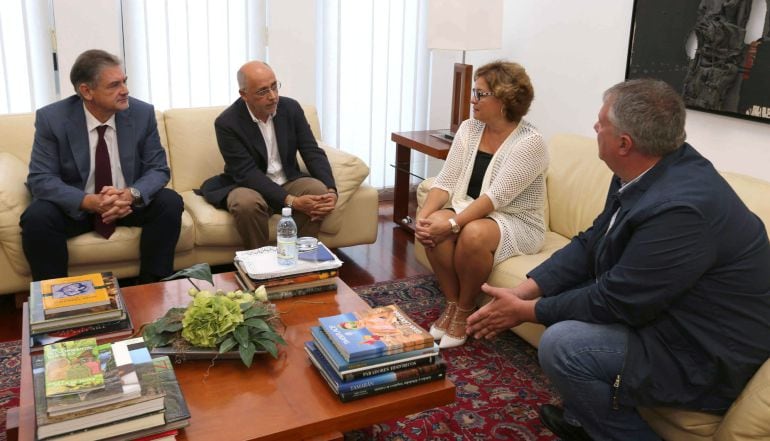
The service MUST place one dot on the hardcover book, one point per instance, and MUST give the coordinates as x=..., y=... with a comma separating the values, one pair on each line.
x=40, y=322
x=176, y=413
x=72, y=367
x=107, y=331
x=363, y=387
x=120, y=384
x=347, y=371
x=106, y=420
x=379, y=331
x=73, y=293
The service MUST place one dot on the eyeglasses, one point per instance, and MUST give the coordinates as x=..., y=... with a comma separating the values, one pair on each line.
x=478, y=94
x=264, y=92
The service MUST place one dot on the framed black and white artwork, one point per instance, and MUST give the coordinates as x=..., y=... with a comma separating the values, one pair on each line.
x=716, y=52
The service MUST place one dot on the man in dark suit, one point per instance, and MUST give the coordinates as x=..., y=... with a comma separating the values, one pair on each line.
x=665, y=300
x=259, y=136
x=97, y=162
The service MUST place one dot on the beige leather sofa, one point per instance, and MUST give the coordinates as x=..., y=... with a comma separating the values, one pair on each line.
x=577, y=183
x=208, y=234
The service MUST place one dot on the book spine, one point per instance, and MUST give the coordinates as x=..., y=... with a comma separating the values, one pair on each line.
x=374, y=390
x=387, y=378
x=391, y=368
x=300, y=292
x=301, y=278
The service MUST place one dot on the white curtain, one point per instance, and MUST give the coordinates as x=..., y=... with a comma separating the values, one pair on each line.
x=26, y=56
x=184, y=53
x=373, y=77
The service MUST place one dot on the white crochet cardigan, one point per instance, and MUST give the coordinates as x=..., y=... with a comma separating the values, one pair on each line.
x=514, y=182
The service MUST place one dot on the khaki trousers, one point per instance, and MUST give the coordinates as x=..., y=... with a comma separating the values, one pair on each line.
x=251, y=212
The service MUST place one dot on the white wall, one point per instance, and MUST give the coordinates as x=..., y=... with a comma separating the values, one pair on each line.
x=573, y=51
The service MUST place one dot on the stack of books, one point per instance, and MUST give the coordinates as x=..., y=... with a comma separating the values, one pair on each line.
x=367, y=353
x=77, y=307
x=315, y=271
x=88, y=391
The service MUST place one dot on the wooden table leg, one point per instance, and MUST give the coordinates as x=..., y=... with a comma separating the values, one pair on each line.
x=401, y=189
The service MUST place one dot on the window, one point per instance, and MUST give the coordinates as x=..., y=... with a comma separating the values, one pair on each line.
x=175, y=50
x=26, y=61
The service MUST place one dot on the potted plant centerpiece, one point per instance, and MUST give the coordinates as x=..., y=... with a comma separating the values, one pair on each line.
x=217, y=322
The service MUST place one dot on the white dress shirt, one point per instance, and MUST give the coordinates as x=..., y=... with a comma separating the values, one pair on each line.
x=274, y=164
x=111, y=138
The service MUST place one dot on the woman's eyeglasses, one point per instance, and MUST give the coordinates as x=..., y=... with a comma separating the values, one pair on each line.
x=478, y=94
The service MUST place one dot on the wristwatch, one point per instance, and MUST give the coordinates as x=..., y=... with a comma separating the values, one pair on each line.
x=455, y=226
x=137, y=195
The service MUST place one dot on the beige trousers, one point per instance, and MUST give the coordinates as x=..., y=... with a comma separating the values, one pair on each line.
x=251, y=212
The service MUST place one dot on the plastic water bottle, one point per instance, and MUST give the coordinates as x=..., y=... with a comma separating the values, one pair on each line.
x=286, y=238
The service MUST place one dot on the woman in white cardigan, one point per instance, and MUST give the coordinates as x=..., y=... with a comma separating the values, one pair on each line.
x=494, y=181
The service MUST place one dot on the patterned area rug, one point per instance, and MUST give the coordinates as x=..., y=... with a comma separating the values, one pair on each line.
x=500, y=385
x=10, y=376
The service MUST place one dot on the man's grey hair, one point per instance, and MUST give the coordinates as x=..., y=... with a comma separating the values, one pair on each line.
x=650, y=111
x=89, y=65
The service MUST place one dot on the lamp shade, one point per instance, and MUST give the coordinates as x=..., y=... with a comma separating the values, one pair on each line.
x=465, y=24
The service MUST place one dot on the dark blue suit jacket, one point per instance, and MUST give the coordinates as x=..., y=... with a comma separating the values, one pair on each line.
x=686, y=267
x=60, y=160
x=245, y=153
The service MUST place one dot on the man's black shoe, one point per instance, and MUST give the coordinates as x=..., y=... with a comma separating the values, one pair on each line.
x=553, y=418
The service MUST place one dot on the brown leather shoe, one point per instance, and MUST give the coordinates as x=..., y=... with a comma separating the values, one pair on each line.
x=553, y=418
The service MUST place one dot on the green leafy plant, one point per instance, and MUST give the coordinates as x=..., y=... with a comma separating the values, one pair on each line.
x=222, y=320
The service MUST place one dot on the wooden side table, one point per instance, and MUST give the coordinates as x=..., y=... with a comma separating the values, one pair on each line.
x=423, y=142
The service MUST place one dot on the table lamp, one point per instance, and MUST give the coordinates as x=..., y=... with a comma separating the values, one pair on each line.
x=463, y=25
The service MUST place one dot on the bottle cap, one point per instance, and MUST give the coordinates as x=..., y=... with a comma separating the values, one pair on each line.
x=286, y=211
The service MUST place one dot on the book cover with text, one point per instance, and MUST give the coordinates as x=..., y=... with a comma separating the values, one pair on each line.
x=75, y=292
x=379, y=331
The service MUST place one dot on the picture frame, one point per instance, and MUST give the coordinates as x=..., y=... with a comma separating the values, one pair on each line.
x=699, y=48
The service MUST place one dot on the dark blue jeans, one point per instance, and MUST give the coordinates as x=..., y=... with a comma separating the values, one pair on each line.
x=582, y=360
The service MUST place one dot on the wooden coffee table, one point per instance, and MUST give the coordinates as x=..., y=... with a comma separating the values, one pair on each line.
x=282, y=398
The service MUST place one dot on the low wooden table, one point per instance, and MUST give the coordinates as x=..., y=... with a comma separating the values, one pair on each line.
x=275, y=399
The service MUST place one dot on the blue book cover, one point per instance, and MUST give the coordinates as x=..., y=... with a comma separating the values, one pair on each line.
x=368, y=384
x=345, y=369
x=384, y=330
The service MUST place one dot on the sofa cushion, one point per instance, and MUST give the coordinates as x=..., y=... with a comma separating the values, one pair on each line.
x=193, y=145
x=213, y=227
x=753, y=192
x=14, y=198
x=349, y=173
x=18, y=134
x=577, y=184
x=749, y=417
x=680, y=424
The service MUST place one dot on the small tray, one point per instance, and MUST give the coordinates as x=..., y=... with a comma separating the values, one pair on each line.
x=196, y=353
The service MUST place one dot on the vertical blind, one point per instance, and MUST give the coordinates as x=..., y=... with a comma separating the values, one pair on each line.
x=374, y=70
x=26, y=63
x=184, y=53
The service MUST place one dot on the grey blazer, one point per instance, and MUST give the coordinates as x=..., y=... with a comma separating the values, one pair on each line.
x=60, y=160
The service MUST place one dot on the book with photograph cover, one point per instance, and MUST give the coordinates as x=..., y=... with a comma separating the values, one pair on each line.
x=127, y=416
x=40, y=322
x=384, y=330
x=363, y=387
x=72, y=367
x=120, y=384
x=347, y=371
x=73, y=293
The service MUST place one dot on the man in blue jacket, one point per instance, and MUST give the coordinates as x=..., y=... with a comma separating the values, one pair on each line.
x=664, y=300
x=97, y=162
